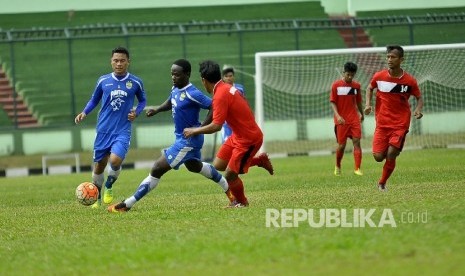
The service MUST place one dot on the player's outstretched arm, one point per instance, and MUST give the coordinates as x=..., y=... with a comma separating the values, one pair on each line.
x=161, y=108
x=208, y=129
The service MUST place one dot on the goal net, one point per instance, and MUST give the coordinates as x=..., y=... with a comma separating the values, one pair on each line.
x=292, y=96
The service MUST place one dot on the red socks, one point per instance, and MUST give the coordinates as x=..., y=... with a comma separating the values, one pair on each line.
x=339, y=155
x=357, y=157
x=388, y=168
x=237, y=189
x=255, y=161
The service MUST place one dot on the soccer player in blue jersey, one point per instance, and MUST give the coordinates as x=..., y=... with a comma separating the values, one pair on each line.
x=185, y=102
x=117, y=92
x=228, y=77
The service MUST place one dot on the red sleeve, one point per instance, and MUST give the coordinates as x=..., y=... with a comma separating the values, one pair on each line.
x=220, y=107
x=373, y=83
x=415, y=89
x=333, y=94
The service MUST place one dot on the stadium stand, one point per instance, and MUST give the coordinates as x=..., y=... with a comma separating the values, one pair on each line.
x=153, y=45
x=431, y=26
x=54, y=95
x=14, y=108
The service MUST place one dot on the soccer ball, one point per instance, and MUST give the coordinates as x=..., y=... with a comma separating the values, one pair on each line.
x=87, y=193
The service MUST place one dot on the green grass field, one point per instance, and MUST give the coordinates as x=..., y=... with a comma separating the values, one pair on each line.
x=182, y=229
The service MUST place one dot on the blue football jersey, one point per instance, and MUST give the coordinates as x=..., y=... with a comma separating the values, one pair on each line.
x=186, y=104
x=117, y=95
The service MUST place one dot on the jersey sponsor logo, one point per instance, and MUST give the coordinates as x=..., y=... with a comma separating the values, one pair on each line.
x=116, y=99
x=128, y=84
x=391, y=87
x=344, y=90
x=118, y=94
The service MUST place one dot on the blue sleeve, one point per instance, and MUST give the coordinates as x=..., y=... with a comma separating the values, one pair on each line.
x=94, y=100
x=240, y=87
x=204, y=101
x=141, y=99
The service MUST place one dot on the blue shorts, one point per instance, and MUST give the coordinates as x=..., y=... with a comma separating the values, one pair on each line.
x=106, y=143
x=178, y=153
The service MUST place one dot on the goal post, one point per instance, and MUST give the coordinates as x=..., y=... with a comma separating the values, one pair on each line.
x=292, y=96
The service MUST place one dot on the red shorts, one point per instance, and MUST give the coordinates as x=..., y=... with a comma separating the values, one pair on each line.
x=347, y=131
x=238, y=155
x=385, y=137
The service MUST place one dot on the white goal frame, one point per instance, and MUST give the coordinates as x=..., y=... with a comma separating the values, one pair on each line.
x=259, y=72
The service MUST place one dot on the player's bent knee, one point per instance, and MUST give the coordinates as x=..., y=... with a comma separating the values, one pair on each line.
x=379, y=157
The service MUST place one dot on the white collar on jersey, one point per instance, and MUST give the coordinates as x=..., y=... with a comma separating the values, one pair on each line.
x=184, y=88
x=122, y=79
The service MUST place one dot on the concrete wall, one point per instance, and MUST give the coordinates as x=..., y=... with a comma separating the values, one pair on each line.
x=150, y=136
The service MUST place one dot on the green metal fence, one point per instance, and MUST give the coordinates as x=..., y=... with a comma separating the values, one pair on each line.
x=54, y=69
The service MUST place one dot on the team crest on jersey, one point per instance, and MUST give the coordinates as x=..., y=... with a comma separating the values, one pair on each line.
x=128, y=84
x=183, y=96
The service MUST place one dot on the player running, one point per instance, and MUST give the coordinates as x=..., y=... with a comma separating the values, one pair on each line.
x=229, y=77
x=392, y=111
x=185, y=102
x=237, y=154
x=117, y=91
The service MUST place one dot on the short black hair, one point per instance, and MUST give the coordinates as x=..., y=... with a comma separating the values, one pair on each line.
x=210, y=70
x=350, y=67
x=391, y=48
x=184, y=64
x=120, y=50
x=228, y=70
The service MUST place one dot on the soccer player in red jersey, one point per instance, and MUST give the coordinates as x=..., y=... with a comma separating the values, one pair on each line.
x=237, y=153
x=392, y=111
x=346, y=102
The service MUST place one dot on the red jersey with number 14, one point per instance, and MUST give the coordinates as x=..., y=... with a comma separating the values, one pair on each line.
x=230, y=105
x=392, y=108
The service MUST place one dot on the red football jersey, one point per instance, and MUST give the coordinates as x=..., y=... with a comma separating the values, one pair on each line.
x=346, y=96
x=392, y=108
x=230, y=105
